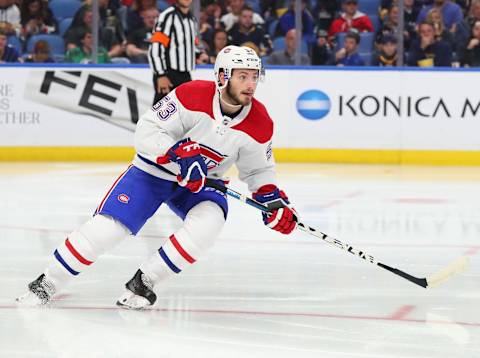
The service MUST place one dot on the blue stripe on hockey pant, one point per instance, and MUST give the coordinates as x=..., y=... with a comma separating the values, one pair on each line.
x=169, y=263
x=62, y=261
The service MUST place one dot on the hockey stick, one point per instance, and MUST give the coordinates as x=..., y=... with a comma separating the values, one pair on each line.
x=456, y=266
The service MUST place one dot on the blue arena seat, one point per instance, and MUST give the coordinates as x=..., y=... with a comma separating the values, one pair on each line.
x=271, y=28
x=255, y=5
x=366, y=57
x=369, y=7
x=56, y=42
x=62, y=9
x=64, y=25
x=366, y=41
x=376, y=22
x=162, y=5
x=15, y=42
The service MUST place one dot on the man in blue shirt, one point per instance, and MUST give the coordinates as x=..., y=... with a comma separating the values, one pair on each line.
x=451, y=12
x=7, y=53
x=348, y=55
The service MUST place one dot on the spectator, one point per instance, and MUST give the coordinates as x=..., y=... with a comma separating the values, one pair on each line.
x=246, y=31
x=325, y=11
x=321, y=52
x=287, y=22
x=41, y=53
x=9, y=17
x=390, y=24
x=387, y=57
x=205, y=30
x=348, y=55
x=213, y=11
x=435, y=17
x=231, y=18
x=287, y=57
x=349, y=19
x=470, y=57
x=107, y=38
x=134, y=14
x=138, y=41
x=464, y=29
x=36, y=19
x=83, y=53
x=451, y=12
x=7, y=52
x=426, y=51
x=220, y=40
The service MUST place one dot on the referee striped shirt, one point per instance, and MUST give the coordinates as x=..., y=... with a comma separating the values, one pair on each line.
x=173, y=42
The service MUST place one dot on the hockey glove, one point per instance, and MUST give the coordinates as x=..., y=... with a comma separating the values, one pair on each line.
x=282, y=218
x=193, y=170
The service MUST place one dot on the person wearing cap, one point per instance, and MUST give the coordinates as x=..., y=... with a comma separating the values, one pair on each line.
x=387, y=57
x=349, y=19
x=321, y=52
x=348, y=55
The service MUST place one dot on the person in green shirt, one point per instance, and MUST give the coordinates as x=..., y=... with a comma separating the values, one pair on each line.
x=83, y=54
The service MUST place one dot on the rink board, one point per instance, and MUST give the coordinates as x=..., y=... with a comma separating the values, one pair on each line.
x=321, y=115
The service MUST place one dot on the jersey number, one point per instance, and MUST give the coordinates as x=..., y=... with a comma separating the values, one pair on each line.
x=165, y=108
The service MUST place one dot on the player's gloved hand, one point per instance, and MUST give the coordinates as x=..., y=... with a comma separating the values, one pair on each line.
x=283, y=216
x=193, y=170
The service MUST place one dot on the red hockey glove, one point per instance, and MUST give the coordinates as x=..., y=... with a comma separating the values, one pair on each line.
x=283, y=216
x=193, y=170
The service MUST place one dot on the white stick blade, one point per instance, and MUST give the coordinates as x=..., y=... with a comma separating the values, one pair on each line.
x=457, y=266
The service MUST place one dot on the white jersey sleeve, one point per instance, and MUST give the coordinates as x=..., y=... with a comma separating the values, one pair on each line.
x=256, y=165
x=162, y=126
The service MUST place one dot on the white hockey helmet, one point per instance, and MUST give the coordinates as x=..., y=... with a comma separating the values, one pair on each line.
x=232, y=57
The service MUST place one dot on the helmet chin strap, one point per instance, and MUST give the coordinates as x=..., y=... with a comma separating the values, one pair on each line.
x=228, y=107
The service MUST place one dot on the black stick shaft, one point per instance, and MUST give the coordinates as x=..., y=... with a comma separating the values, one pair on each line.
x=317, y=233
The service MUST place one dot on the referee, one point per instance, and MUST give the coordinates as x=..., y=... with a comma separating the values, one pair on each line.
x=172, y=51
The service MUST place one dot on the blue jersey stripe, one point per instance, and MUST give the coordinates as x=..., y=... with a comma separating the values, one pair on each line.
x=62, y=261
x=170, y=264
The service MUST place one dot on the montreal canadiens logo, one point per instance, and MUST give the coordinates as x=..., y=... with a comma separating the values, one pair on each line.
x=212, y=157
x=123, y=198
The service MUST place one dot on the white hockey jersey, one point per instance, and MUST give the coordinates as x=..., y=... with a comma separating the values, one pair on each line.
x=193, y=110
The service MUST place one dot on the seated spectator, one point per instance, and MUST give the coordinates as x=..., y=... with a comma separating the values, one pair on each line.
x=7, y=52
x=214, y=11
x=107, y=37
x=427, y=51
x=387, y=56
x=451, y=12
x=287, y=22
x=321, y=52
x=470, y=57
x=83, y=53
x=287, y=57
x=348, y=54
x=349, y=19
x=325, y=11
x=435, y=17
x=9, y=17
x=389, y=26
x=246, y=31
x=134, y=16
x=464, y=29
x=231, y=18
x=220, y=40
x=138, y=41
x=36, y=19
x=205, y=30
x=41, y=53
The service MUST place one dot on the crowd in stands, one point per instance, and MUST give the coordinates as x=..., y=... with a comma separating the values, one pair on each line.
x=334, y=32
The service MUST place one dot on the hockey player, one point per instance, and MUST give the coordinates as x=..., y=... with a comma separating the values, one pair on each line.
x=199, y=130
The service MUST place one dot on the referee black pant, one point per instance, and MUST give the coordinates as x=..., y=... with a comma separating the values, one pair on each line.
x=176, y=77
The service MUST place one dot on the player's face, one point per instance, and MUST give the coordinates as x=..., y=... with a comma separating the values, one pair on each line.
x=242, y=85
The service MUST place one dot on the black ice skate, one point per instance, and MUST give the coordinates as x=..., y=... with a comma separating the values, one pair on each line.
x=39, y=293
x=139, y=292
